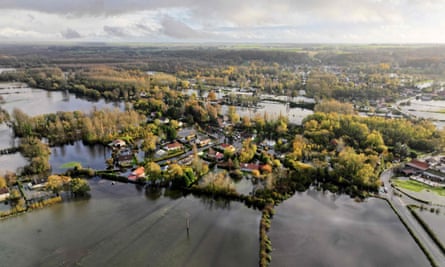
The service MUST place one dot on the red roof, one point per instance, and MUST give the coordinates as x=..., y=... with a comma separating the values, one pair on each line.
x=139, y=171
x=250, y=166
x=417, y=164
x=174, y=145
x=4, y=190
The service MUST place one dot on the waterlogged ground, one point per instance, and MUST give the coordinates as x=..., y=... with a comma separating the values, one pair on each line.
x=317, y=230
x=123, y=226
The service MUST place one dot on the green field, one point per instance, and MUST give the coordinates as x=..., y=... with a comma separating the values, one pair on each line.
x=417, y=186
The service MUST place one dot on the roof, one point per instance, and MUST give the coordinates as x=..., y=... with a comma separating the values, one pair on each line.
x=250, y=166
x=4, y=190
x=173, y=145
x=139, y=171
x=417, y=164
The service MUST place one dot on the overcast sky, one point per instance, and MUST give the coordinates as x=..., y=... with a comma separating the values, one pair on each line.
x=289, y=21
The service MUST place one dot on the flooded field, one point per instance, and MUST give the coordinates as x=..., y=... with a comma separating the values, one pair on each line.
x=435, y=222
x=314, y=229
x=122, y=226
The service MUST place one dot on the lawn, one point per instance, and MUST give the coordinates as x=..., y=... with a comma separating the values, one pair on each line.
x=71, y=165
x=417, y=186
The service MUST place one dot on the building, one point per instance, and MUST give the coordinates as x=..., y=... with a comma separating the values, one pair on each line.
x=203, y=141
x=415, y=166
x=173, y=147
x=4, y=194
x=138, y=173
x=249, y=167
x=118, y=143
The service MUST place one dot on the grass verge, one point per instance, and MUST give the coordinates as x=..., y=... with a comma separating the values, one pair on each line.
x=418, y=186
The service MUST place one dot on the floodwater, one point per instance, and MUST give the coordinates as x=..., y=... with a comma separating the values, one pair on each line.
x=122, y=226
x=273, y=110
x=89, y=156
x=435, y=221
x=11, y=162
x=36, y=101
x=427, y=109
x=317, y=230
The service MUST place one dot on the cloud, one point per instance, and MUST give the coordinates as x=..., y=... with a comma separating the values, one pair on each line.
x=228, y=20
x=114, y=31
x=70, y=34
x=177, y=29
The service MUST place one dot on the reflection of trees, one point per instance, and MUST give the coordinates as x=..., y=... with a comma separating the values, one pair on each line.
x=173, y=194
x=153, y=193
x=211, y=203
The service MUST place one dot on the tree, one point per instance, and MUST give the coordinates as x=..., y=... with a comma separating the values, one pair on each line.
x=153, y=170
x=212, y=96
x=247, y=151
x=233, y=115
x=374, y=140
x=2, y=182
x=149, y=144
x=328, y=106
x=79, y=187
x=175, y=171
x=54, y=183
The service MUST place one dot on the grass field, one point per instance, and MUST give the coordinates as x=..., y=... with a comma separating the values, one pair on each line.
x=417, y=186
x=70, y=165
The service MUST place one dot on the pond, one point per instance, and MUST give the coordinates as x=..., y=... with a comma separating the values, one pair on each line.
x=122, y=226
x=317, y=229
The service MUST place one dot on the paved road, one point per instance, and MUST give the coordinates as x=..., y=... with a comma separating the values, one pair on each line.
x=401, y=206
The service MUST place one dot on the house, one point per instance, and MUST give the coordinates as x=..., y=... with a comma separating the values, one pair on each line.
x=138, y=173
x=160, y=153
x=4, y=194
x=268, y=143
x=249, y=167
x=202, y=141
x=417, y=165
x=229, y=148
x=186, y=161
x=173, y=147
x=215, y=155
x=125, y=158
x=118, y=143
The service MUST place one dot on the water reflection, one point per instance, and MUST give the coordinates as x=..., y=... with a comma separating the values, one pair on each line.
x=118, y=227
x=314, y=229
x=211, y=203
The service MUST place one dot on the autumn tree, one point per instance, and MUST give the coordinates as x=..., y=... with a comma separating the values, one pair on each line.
x=79, y=187
x=248, y=151
x=153, y=170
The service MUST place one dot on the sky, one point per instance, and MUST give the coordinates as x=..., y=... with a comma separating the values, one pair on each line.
x=189, y=21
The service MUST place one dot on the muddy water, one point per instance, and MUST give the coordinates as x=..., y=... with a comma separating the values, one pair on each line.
x=314, y=229
x=122, y=226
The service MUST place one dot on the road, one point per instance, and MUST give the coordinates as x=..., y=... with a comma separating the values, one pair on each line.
x=401, y=207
